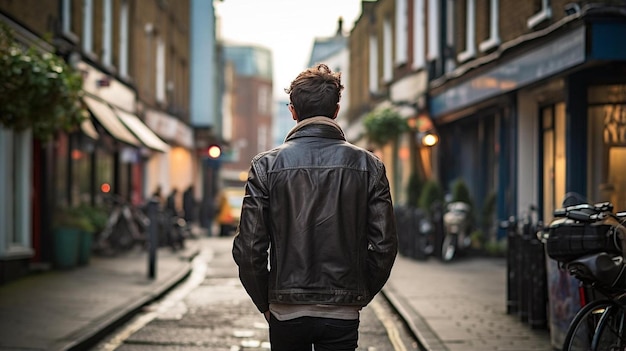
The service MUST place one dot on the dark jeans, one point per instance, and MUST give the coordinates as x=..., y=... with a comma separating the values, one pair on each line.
x=326, y=334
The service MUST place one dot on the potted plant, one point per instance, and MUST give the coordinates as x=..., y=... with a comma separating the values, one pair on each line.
x=97, y=218
x=70, y=225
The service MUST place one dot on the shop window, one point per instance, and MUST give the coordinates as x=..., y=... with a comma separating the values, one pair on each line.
x=61, y=171
x=553, y=131
x=81, y=158
x=607, y=128
x=103, y=172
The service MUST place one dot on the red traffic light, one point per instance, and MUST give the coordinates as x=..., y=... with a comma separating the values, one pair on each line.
x=214, y=151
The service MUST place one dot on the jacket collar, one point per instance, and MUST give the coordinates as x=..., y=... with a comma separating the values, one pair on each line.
x=301, y=130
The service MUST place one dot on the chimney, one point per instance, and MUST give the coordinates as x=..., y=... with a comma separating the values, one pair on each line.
x=340, y=26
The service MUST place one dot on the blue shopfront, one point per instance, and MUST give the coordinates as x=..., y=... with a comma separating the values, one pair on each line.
x=546, y=116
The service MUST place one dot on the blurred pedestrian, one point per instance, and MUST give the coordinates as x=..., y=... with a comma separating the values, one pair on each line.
x=170, y=204
x=189, y=205
x=224, y=215
x=207, y=214
x=157, y=196
x=325, y=207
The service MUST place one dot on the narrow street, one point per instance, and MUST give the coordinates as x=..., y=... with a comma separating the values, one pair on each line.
x=211, y=311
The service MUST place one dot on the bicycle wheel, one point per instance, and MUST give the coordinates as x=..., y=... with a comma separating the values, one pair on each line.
x=610, y=334
x=580, y=333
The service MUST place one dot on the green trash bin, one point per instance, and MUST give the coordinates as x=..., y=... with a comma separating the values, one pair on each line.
x=66, y=247
x=84, y=248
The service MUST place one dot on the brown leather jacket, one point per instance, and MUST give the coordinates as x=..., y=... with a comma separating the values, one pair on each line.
x=320, y=209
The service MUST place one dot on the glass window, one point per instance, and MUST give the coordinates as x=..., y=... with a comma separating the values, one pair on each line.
x=607, y=129
x=87, y=35
x=107, y=32
x=15, y=189
x=61, y=152
x=402, y=29
x=123, y=39
x=104, y=171
x=160, y=70
x=433, y=29
x=373, y=66
x=387, y=51
x=66, y=16
x=470, y=32
x=419, y=38
x=494, y=35
x=81, y=155
x=554, y=161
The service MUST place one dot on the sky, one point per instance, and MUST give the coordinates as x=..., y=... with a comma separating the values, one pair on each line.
x=287, y=27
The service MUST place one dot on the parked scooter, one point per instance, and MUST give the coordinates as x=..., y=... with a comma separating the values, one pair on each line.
x=456, y=222
x=427, y=236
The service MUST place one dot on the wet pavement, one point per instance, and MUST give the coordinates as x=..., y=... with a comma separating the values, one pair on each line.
x=455, y=306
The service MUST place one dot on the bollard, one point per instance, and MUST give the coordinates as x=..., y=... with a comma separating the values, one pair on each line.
x=538, y=296
x=524, y=271
x=512, y=303
x=153, y=241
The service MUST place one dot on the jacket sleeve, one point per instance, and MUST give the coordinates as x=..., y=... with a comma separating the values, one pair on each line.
x=382, y=237
x=251, y=243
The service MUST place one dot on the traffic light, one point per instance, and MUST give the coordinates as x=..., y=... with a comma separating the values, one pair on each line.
x=214, y=151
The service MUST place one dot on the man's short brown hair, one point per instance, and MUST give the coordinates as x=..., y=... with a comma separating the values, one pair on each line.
x=316, y=91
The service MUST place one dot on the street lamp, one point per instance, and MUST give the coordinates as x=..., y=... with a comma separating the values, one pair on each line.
x=429, y=139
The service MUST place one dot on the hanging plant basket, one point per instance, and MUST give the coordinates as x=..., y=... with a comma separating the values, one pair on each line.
x=382, y=126
x=38, y=90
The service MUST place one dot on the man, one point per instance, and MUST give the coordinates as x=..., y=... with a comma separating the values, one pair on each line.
x=320, y=209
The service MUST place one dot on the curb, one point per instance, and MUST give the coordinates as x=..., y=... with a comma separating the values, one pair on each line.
x=427, y=339
x=94, y=333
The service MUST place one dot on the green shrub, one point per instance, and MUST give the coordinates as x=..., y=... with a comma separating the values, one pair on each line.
x=431, y=193
x=414, y=189
x=460, y=191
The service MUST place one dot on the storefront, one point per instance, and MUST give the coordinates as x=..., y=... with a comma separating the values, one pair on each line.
x=545, y=118
x=178, y=168
x=529, y=118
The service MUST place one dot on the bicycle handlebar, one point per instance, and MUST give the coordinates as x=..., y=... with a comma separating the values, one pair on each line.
x=584, y=208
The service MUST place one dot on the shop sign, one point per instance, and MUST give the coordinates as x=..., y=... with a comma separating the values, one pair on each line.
x=540, y=63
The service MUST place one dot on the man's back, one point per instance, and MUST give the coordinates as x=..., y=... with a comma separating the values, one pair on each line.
x=317, y=237
x=328, y=200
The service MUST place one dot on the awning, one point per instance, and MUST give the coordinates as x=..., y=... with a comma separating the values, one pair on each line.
x=88, y=128
x=105, y=115
x=142, y=131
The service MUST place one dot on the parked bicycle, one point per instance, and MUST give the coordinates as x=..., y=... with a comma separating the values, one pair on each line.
x=125, y=228
x=588, y=240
